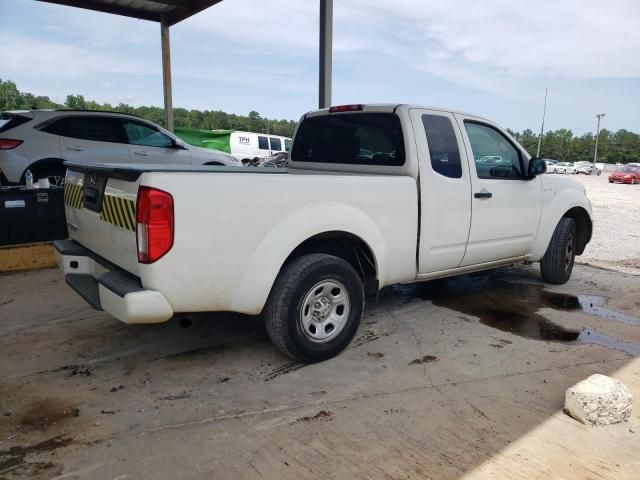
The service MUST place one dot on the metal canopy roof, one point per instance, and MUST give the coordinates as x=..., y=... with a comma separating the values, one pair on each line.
x=174, y=10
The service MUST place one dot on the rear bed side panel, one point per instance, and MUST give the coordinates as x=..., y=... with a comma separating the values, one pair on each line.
x=234, y=231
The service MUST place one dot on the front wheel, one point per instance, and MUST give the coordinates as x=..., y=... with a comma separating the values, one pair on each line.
x=314, y=308
x=557, y=264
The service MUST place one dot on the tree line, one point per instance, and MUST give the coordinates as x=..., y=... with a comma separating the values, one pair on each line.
x=613, y=147
x=13, y=99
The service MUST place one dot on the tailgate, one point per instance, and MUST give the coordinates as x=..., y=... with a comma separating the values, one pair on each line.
x=100, y=213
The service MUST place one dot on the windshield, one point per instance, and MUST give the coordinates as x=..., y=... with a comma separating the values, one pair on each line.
x=350, y=138
x=629, y=170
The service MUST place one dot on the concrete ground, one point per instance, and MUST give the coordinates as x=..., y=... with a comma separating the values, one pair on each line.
x=455, y=379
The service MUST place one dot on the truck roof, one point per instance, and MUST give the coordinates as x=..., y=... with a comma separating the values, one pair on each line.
x=391, y=107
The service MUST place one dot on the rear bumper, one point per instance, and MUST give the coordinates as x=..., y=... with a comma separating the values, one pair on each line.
x=106, y=287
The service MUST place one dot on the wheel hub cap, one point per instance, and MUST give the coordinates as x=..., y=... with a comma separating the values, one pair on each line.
x=325, y=311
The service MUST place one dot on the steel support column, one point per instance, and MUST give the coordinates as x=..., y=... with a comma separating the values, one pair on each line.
x=166, y=73
x=326, y=52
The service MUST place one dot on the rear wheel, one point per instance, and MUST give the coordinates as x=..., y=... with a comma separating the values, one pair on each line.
x=54, y=172
x=314, y=308
x=557, y=264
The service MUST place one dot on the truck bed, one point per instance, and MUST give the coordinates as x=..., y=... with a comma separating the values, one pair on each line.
x=234, y=227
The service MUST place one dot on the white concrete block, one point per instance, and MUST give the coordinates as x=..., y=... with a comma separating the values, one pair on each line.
x=598, y=400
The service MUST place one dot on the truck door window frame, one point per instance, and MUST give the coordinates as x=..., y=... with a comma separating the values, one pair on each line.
x=521, y=175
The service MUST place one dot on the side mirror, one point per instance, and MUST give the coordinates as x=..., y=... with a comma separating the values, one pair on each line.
x=178, y=146
x=537, y=166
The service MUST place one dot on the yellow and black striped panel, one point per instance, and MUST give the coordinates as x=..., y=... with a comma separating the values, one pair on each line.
x=119, y=211
x=73, y=195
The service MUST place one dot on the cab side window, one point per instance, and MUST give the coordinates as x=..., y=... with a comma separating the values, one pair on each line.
x=494, y=155
x=139, y=133
x=443, y=146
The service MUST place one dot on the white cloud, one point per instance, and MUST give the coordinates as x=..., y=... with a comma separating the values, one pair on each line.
x=65, y=60
x=571, y=39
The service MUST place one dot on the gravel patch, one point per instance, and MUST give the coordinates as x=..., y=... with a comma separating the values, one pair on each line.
x=616, y=236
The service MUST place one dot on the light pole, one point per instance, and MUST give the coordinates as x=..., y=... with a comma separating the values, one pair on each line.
x=595, y=153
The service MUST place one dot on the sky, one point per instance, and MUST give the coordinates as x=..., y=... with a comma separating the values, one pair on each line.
x=492, y=58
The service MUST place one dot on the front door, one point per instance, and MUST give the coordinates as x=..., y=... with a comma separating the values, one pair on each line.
x=148, y=144
x=506, y=208
x=445, y=191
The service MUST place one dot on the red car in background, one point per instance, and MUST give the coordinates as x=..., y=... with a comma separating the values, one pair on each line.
x=626, y=174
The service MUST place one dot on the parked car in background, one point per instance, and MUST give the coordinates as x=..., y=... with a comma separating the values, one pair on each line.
x=360, y=207
x=252, y=147
x=41, y=140
x=565, y=167
x=551, y=166
x=627, y=174
x=586, y=168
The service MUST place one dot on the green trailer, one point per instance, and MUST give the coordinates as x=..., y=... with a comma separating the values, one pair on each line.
x=214, y=139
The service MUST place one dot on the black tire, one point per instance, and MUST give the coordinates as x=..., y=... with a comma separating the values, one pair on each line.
x=557, y=264
x=283, y=311
x=54, y=172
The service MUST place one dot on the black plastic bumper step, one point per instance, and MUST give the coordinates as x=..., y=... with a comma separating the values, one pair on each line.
x=86, y=286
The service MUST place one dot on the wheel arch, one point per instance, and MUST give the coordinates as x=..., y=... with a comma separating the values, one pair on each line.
x=347, y=246
x=584, y=226
x=38, y=164
x=330, y=228
x=562, y=207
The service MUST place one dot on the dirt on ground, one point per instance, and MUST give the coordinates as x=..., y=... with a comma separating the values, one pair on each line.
x=460, y=378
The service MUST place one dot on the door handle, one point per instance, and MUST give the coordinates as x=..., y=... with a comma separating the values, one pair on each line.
x=75, y=149
x=142, y=153
x=483, y=195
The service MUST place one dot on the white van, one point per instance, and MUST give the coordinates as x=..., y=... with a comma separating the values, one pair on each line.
x=247, y=146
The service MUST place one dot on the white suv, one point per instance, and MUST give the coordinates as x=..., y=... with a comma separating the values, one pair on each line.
x=41, y=140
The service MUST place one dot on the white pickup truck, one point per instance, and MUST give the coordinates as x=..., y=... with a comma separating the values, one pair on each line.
x=374, y=195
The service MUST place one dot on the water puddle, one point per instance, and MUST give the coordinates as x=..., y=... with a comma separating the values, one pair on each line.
x=513, y=308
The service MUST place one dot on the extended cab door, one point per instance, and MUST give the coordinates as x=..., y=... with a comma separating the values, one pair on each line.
x=506, y=208
x=92, y=139
x=149, y=144
x=445, y=190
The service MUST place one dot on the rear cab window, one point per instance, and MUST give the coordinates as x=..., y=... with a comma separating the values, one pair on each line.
x=350, y=139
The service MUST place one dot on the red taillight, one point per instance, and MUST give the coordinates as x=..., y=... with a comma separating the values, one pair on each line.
x=8, y=144
x=346, y=108
x=154, y=224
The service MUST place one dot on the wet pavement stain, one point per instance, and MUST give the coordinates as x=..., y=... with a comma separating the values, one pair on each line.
x=45, y=413
x=15, y=458
x=321, y=415
x=513, y=307
x=425, y=359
